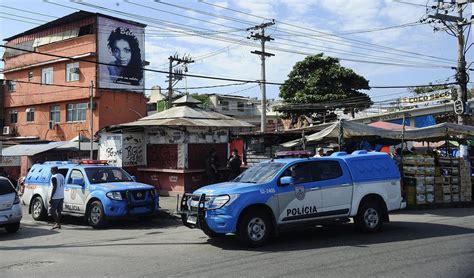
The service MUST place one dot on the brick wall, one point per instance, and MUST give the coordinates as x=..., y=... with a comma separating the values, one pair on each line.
x=162, y=156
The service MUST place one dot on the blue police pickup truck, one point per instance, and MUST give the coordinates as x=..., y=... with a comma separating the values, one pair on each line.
x=93, y=190
x=294, y=192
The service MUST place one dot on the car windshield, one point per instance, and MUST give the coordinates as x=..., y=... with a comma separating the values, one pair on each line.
x=260, y=173
x=106, y=174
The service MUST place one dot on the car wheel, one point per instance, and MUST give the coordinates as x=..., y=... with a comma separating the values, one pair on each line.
x=369, y=217
x=254, y=229
x=12, y=228
x=38, y=211
x=95, y=215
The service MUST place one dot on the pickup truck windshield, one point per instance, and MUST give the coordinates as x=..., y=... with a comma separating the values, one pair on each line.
x=107, y=174
x=260, y=173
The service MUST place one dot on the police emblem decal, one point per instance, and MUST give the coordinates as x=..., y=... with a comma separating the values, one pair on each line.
x=300, y=192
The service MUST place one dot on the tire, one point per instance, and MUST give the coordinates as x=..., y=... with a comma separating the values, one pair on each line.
x=95, y=215
x=369, y=217
x=12, y=228
x=254, y=229
x=38, y=210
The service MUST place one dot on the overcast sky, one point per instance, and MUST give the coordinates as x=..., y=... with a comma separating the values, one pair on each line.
x=213, y=33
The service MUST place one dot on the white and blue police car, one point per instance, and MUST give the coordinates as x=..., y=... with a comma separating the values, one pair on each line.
x=93, y=190
x=294, y=192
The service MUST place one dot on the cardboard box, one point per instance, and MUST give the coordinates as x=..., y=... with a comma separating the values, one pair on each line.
x=446, y=189
x=438, y=180
x=455, y=198
x=429, y=180
x=430, y=198
x=420, y=188
x=420, y=198
x=454, y=188
x=429, y=188
x=447, y=198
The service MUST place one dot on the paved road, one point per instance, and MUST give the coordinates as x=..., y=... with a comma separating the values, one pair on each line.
x=430, y=243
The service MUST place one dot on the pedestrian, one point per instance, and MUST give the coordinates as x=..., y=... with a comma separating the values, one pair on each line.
x=319, y=152
x=57, y=196
x=233, y=164
x=212, y=167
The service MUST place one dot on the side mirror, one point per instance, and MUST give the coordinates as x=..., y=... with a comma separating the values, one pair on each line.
x=133, y=178
x=286, y=180
x=78, y=182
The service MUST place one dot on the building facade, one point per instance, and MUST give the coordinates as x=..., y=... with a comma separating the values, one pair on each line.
x=48, y=87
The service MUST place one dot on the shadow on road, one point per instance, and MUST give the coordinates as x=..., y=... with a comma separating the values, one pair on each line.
x=26, y=231
x=345, y=235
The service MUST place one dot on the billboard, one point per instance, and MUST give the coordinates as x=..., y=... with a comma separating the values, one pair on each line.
x=120, y=46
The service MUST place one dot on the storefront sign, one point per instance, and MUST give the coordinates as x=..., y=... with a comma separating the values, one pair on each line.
x=427, y=99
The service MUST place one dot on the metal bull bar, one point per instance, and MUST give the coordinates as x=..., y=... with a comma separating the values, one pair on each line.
x=149, y=195
x=187, y=212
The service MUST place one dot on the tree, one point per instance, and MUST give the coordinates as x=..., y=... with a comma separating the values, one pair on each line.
x=321, y=84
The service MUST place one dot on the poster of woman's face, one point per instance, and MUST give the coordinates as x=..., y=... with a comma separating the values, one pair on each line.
x=121, y=48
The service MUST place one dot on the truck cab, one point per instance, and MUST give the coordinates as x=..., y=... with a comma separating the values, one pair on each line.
x=294, y=192
x=92, y=189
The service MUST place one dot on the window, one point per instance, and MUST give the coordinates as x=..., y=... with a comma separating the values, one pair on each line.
x=54, y=116
x=106, y=174
x=225, y=105
x=13, y=116
x=302, y=173
x=326, y=170
x=47, y=76
x=72, y=72
x=76, y=177
x=241, y=106
x=6, y=187
x=12, y=85
x=30, y=76
x=76, y=112
x=30, y=114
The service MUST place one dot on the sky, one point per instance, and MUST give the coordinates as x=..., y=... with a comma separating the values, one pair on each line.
x=381, y=40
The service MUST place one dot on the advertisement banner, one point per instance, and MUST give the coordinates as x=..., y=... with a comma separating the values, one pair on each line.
x=121, y=46
x=428, y=99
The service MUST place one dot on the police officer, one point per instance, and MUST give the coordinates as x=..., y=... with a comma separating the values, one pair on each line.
x=57, y=196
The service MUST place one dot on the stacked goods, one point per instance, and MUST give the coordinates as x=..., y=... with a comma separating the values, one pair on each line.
x=450, y=174
x=465, y=191
x=419, y=171
x=438, y=188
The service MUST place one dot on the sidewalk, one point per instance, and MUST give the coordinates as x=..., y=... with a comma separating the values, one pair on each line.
x=168, y=205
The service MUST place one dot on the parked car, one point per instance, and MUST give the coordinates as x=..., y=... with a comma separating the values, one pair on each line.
x=10, y=207
x=93, y=190
x=294, y=192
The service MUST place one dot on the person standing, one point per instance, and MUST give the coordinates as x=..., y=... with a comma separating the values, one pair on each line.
x=319, y=152
x=57, y=196
x=233, y=164
x=212, y=167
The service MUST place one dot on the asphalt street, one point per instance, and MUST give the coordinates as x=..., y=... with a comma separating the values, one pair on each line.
x=423, y=243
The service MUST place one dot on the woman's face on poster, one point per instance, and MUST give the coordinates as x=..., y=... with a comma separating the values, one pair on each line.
x=122, y=52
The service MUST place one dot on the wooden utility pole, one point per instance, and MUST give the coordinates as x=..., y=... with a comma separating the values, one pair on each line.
x=263, y=39
x=91, y=99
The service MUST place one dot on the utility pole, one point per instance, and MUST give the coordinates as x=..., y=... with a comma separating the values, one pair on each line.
x=263, y=39
x=178, y=75
x=91, y=99
x=454, y=25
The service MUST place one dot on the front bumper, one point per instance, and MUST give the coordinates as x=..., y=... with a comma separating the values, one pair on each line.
x=11, y=215
x=213, y=220
x=131, y=207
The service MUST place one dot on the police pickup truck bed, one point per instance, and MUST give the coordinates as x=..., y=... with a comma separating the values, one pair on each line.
x=292, y=192
x=92, y=189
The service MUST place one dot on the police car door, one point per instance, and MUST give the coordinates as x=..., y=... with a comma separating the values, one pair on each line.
x=75, y=192
x=300, y=201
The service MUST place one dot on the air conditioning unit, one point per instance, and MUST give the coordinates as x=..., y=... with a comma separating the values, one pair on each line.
x=6, y=130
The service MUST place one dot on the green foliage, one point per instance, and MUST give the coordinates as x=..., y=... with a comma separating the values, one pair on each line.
x=204, y=99
x=319, y=79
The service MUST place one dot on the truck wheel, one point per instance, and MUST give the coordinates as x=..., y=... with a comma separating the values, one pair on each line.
x=254, y=229
x=95, y=215
x=12, y=228
x=38, y=211
x=369, y=217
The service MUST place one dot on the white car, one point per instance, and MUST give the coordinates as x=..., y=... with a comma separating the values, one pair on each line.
x=10, y=207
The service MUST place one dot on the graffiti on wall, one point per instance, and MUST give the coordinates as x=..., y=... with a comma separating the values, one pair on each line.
x=110, y=149
x=202, y=135
x=133, y=153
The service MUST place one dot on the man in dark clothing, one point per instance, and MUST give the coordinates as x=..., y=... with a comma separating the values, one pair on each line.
x=233, y=164
x=212, y=165
x=57, y=196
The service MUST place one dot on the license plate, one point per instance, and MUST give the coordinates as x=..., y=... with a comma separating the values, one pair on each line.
x=191, y=219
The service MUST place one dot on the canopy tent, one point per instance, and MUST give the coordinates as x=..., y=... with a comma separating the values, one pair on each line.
x=353, y=130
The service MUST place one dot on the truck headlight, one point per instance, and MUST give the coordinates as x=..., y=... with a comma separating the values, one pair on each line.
x=114, y=195
x=216, y=202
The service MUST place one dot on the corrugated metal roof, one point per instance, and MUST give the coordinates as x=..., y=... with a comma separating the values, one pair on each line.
x=187, y=116
x=186, y=99
x=31, y=149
